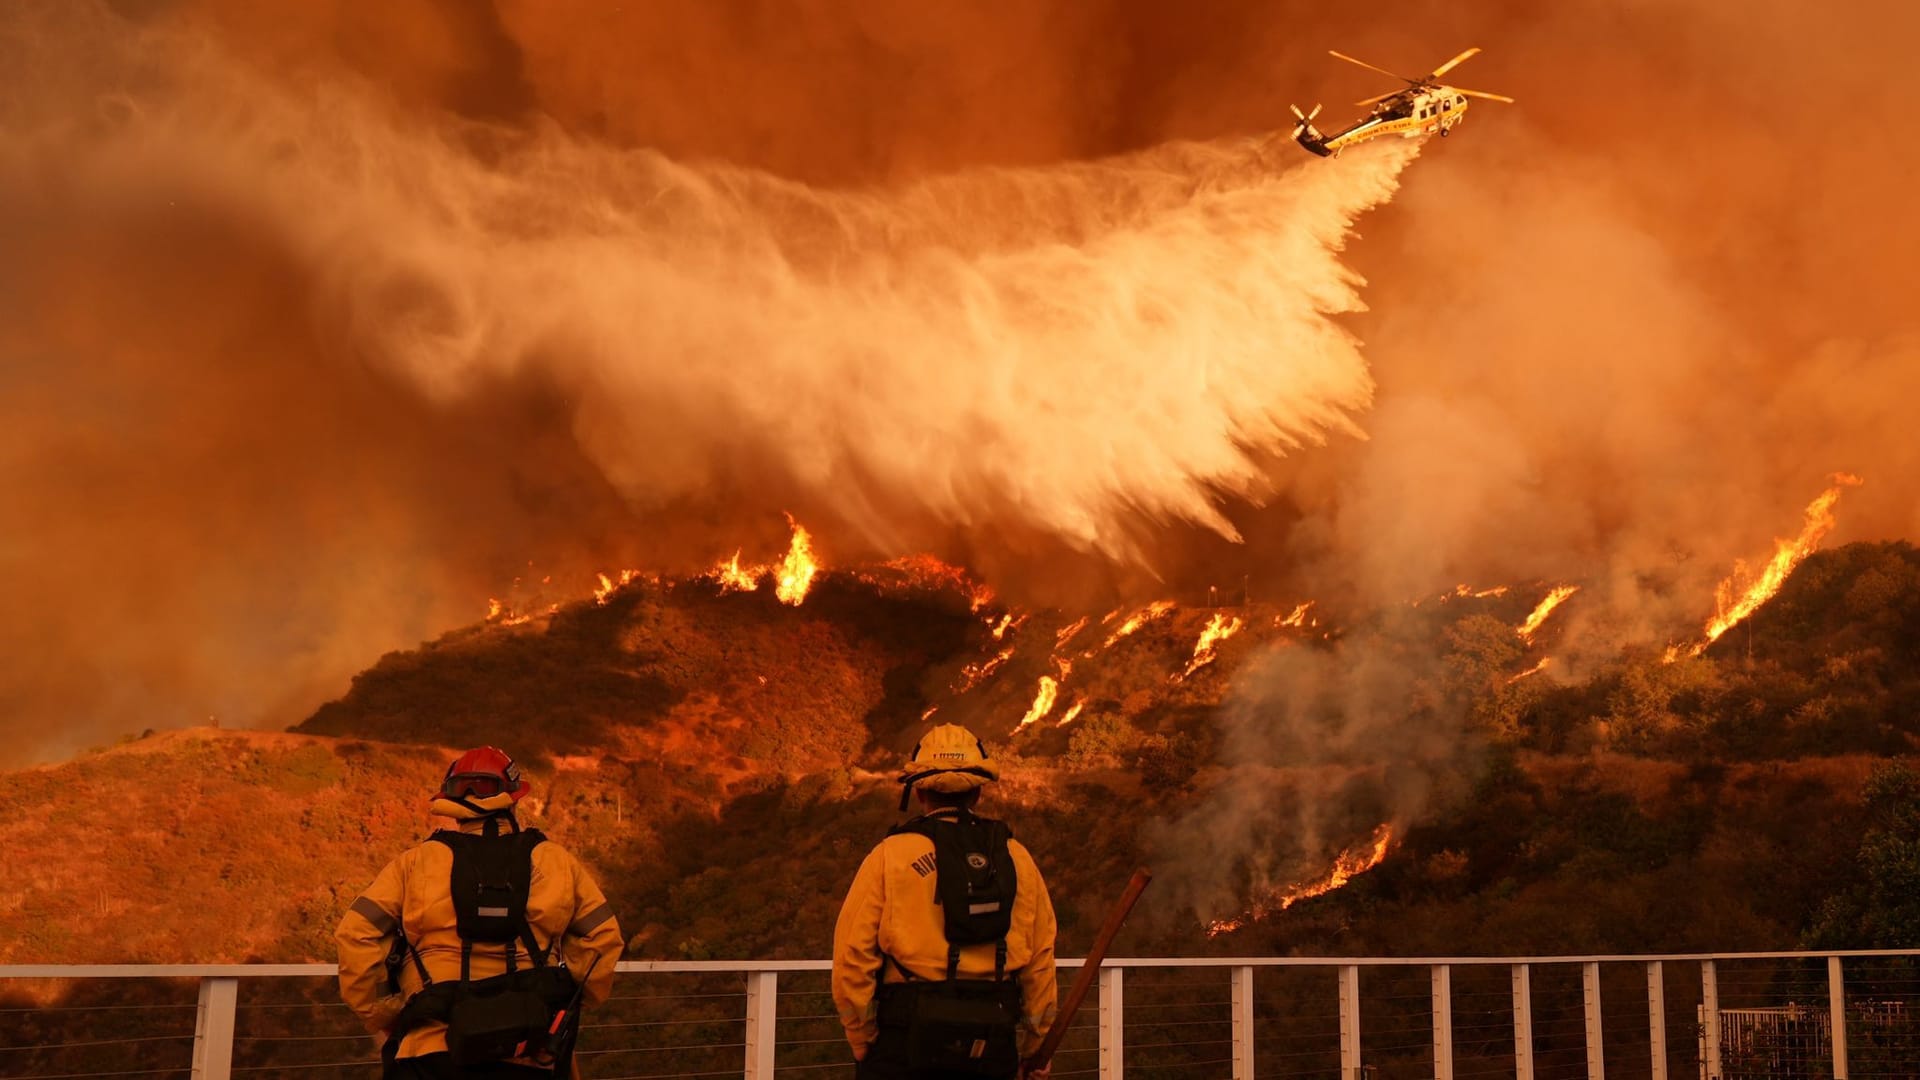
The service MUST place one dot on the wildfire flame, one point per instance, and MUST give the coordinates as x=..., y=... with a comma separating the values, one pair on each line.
x=1534, y=670
x=797, y=570
x=494, y=608
x=1298, y=617
x=972, y=674
x=1139, y=619
x=735, y=578
x=1068, y=717
x=1346, y=866
x=1468, y=592
x=1067, y=633
x=1042, y=701
x=792, y=576
x=1817, y=522
x=1544, y=608
x=1218, y=629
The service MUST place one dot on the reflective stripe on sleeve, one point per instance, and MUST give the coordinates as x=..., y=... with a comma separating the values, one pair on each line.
x=375, y=914
x=585, y=923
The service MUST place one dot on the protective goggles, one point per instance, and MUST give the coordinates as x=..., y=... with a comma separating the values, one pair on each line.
x=475, y=785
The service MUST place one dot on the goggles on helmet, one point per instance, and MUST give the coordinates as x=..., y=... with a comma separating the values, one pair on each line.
x=473, y=785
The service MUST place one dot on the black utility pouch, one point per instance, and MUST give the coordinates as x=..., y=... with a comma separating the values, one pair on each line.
x=967, y=1026
x=485, y=1028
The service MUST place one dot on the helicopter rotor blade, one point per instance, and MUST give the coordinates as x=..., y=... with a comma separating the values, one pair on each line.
x=1380, y=97
x=1370, y=67
x=1481, y=94
x=1451, y=64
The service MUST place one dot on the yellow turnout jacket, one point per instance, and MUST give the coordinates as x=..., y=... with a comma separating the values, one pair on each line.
x=893, y=907
x=413, y=893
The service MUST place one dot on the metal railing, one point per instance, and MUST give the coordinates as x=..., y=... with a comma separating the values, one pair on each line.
x=1532, y=1018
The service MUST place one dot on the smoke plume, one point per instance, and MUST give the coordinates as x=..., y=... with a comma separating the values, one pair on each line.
x=320, y=323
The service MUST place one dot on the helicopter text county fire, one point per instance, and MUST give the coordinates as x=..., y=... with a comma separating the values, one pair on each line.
x=1423, y=108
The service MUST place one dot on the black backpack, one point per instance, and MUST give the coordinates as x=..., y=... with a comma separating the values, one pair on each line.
x=521, y=1013
x=966, y=1025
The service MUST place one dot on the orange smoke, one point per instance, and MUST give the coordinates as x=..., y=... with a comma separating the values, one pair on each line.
x=1346, y=866
x=1817, y=522
x=1544, y=608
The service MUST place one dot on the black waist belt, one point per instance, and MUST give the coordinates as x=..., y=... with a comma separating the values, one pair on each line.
x=896, y=1003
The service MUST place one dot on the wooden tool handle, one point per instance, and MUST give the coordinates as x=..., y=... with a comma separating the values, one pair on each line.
x=1089, y=970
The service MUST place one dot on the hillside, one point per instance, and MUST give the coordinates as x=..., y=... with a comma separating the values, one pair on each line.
x=722, y=759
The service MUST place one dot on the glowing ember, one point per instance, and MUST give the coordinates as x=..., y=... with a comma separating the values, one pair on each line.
x=928, y=715
x=1534, y=670
x=1218, y=629
x=1067, y=633
x=1042, y=701
x=928, y=572
x=1468, y=592
x=1139, y=619
x=1346, y=867
x=1816, y=524
x=1297, y=618
x=1067, y=717
x=1545, y=608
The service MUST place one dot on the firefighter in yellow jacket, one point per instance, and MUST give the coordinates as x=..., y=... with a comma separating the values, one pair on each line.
x=943, y=952
x=486, y=901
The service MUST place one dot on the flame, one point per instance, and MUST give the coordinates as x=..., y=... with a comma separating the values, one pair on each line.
x=1468, y=592
x=494, y=608
x=931, y=573
x=1042, y=701
x=1067, y=633
x=1067, y=717
x=972, y=674
x=792, y=576
x=733, y=577
x=1545, y=608
x=1534, y=670
x=607, y=585
x=796, y=572
x=1817, y=522
x=928, y=715
x=1346, y=866
x=1138, y=619
x=1298, y=617
x=1218, y=629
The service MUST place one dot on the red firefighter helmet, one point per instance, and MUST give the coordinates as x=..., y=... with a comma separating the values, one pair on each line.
x=481, y=774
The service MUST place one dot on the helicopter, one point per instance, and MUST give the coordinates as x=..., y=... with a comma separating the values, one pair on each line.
x=1423, y=108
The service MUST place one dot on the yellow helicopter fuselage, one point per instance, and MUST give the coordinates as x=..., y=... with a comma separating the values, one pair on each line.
x=1411, y=115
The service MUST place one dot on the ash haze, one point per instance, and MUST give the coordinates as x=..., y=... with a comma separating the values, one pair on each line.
x=319, y=323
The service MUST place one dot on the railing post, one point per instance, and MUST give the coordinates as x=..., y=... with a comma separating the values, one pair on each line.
x=1349, y=1022
x=213, y=1028
x=1710, y=1020
x=1243, y=1023
x=1522, y=1022
x=1837, y=1016
x=1590, y=998
x=1113, y=1007
x=1657, y=1017
x=763, y=996
x=1442, y=1021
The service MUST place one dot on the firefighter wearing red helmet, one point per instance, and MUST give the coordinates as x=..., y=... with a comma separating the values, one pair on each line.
x=943, y=952
x=473, y=953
